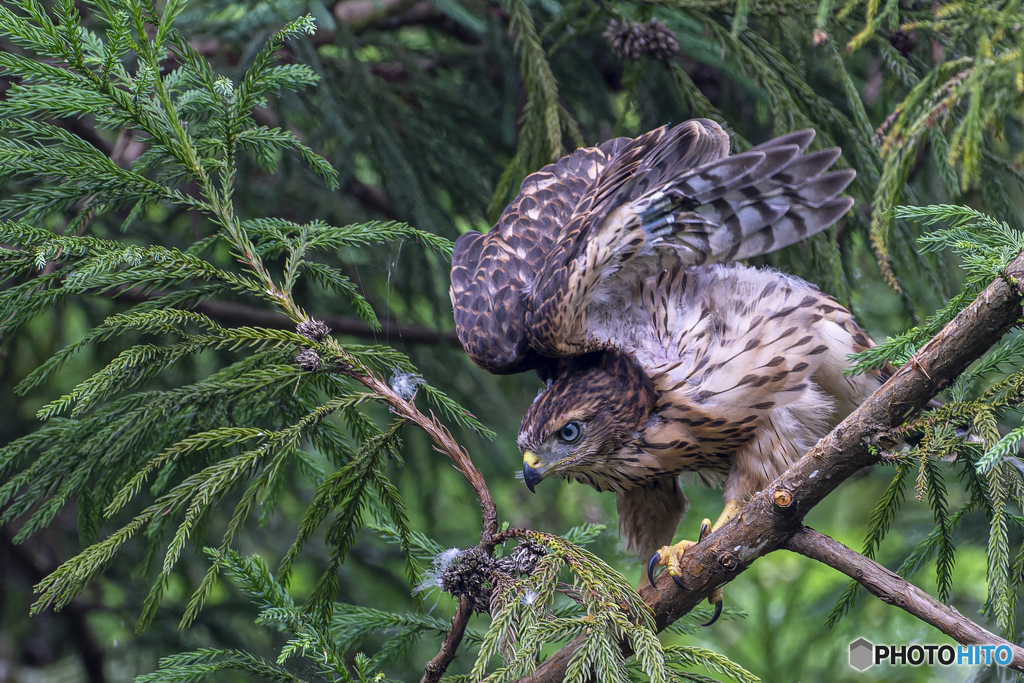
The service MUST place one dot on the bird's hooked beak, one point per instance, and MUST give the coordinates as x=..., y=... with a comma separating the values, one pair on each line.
x=532, y=475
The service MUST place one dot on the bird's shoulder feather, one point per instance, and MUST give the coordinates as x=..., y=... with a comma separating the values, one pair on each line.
x=492, y=273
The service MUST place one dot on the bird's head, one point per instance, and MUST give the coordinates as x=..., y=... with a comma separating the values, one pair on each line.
x=587, y=414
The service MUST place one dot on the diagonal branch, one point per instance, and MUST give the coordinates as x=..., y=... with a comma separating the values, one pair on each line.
x=891, y=588
x=446, y=444
x=772, y=516
x=436, y=667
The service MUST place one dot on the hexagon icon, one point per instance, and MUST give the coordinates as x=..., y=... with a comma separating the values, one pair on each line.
x=861, y=654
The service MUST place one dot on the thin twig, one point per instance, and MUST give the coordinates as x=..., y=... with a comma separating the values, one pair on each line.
x=446, y=444
x=891, y=588
x=436, y=667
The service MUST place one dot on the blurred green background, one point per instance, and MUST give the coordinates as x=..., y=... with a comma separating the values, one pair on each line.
x=425, y=111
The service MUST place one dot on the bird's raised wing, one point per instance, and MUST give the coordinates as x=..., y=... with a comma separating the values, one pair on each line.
x=724, y=209
x=494, y=274
x=491, y=273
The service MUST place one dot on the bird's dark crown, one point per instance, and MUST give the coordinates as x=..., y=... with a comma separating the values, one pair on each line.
x=607, y=393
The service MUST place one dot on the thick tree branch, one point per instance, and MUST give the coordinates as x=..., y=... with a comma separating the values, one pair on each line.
x=236, y=314
x=893, y=589
x=772, y=516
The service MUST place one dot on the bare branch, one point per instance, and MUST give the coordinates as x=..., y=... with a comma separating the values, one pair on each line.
x=436, y=667
x=766, y=523
x=891, y=588
x=443, y=443
x=446, y=444
x=236, y=314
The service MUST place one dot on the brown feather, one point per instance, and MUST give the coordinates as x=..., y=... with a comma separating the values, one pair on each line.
x=601, y=275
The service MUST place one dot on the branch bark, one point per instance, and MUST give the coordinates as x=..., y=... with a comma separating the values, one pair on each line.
x=891, y=588
x=770, y=519
x=444, y=443
x=436, y=667
x=360, y=13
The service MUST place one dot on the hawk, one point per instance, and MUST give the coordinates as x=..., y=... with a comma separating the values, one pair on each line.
x=614, y=275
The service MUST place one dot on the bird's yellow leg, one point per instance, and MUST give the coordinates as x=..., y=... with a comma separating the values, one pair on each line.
x=671, y=556
x=728, y=512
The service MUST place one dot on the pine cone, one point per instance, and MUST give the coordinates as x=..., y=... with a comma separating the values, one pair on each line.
x=523, y=560
x=308, y=359
x=474, y=574
x=314, y=330
x=630, y=39
x=470, y=575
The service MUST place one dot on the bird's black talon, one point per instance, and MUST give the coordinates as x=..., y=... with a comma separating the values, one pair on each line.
x=705, y=529
x=718, y=613
x=655, y=559
x=679, y=582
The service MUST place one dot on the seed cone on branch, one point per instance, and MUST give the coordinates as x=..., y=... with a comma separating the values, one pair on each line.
x=308, y=359
x=314, y=330
x=474, y=574
x=632, y=39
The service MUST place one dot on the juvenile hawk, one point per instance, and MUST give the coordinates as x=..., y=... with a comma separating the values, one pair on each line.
x=611, y=276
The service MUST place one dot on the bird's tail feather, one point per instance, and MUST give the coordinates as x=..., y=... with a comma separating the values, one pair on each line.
x=798, y=223
x=800, y=138
x=748, y=204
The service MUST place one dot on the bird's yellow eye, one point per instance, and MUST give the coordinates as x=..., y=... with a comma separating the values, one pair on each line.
x=570, y=432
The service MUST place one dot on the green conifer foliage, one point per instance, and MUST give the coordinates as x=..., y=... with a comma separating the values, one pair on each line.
x=187, y=182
